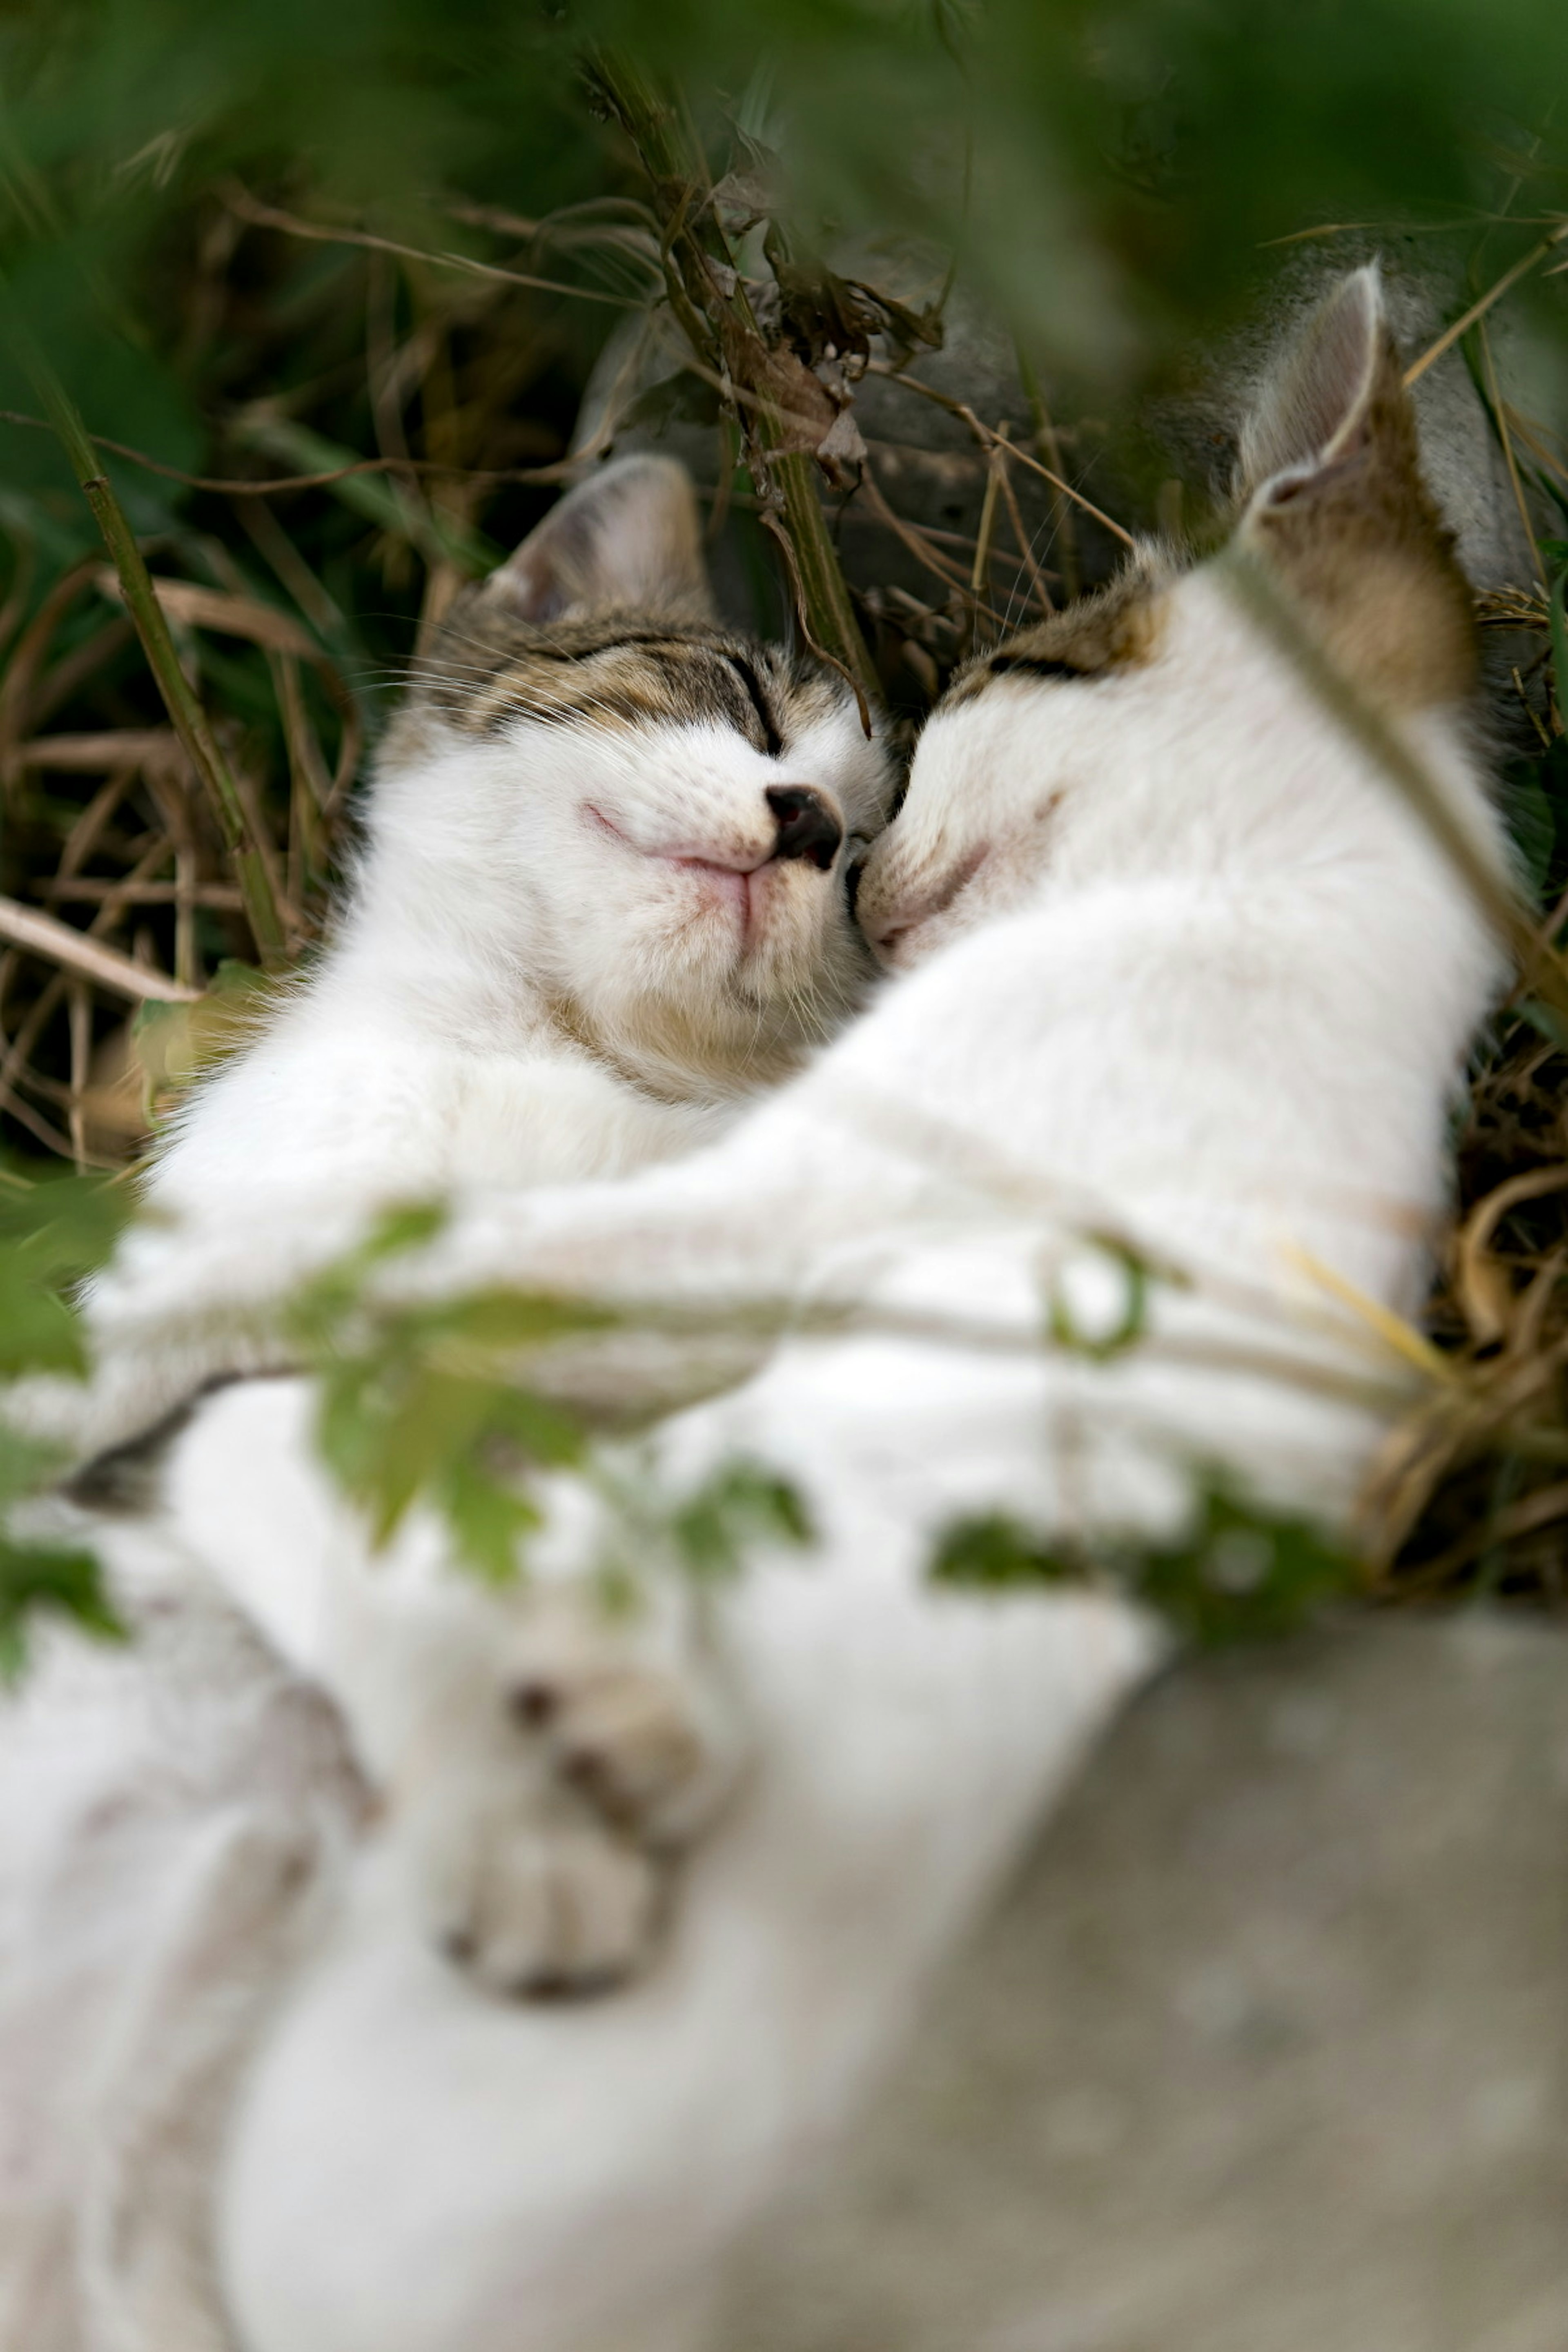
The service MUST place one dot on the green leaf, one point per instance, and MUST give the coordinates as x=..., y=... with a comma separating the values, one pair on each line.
x=1544, y=1019
x=488, y=1517
x=1240, y=1571
x=994, y=1552
x=54, y=1231
x=740, y=1504
x=64, y=1582
x=506, y=1319
x=1246, y=1573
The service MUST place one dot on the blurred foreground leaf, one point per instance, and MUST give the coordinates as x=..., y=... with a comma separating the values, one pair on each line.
x=1239, y=1572
x=53, y=1234
x=428, y=1402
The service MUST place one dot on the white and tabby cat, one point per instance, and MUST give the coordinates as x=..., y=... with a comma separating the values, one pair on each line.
x=601, y=903
x=1184, y=968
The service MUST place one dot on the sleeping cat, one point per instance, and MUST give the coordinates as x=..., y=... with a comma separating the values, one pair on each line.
x=602, y=902
x=1187, y=977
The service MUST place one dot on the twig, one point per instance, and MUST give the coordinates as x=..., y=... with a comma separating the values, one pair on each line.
x=1042, y=594
x=1050, y=448
x=987, y=439
x=79, y=1003
x=275, y=486
x=13, y=1066
x=42, y=935
x=930, y=558
x=28, y=657
x=1478, y=308
x=230, y=615
x=771, y=522
x=1500, y=418
x=993, y=468
x=239, y=200
x=149, y=748
x=91, y=890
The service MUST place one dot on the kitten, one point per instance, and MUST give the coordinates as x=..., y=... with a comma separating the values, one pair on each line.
x=1184, y=969
x=601, y=904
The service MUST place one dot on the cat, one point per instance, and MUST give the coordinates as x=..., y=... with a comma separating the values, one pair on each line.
x=602, y=902
x=1184, y=983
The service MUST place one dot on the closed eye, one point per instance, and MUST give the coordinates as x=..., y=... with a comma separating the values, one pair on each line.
x=1035, y=666
x=773, y=741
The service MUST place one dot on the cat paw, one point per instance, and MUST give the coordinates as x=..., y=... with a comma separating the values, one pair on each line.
x=544, y=1844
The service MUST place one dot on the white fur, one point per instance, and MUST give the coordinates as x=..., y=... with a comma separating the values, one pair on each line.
x=1184, y=969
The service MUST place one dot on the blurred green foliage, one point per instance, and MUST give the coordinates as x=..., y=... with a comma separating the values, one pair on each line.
x=430, y=1405
x=427, y=1402
x=1110, y=170
x=1239, y=1570
x=53, y=1231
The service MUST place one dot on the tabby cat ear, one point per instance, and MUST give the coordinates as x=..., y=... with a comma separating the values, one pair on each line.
x=1335, y=401
x=1336, y=504
x=629, y=539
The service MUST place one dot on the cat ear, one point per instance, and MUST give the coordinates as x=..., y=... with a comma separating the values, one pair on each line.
x=1335, y=402
x=1337, y=503
x=629, y=539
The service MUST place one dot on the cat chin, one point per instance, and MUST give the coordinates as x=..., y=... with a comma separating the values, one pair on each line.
x=768, y=929
x=723, y=893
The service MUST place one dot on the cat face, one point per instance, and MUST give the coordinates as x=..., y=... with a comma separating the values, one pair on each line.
x=648, y=815
x=1158, y=712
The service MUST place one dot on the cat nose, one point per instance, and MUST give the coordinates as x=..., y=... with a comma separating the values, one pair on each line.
x=807, y=826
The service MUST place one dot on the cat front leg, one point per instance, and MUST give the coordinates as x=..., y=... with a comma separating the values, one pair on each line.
x=543, y=1761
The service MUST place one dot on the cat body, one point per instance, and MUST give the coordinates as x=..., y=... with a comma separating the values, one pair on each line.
x=600, y=903
x=1188, y=984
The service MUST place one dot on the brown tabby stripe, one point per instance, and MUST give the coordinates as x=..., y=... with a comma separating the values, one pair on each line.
x=485, y=670
x=1116, y=629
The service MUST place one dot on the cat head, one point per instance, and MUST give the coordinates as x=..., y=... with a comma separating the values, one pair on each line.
x=1137, y=708
x=643, y=818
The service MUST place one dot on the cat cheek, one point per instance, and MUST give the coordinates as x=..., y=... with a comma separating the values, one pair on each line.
x=897, y=923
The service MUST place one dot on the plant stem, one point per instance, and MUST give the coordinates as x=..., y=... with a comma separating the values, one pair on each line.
x=186, y=713
x=708, y=294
